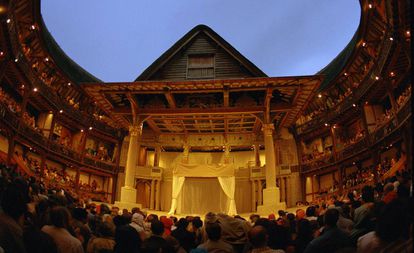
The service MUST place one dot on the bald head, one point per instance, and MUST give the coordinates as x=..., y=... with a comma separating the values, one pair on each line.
x=258, y=236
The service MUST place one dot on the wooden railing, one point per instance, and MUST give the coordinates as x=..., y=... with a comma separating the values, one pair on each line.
x=48, y=93
x=35, y=138
x=366, y=84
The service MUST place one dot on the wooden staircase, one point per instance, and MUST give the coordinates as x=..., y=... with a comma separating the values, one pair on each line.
x=398, y=166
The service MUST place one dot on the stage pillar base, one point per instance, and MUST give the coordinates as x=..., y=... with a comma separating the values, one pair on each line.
x=128, y=199
x=271, y=202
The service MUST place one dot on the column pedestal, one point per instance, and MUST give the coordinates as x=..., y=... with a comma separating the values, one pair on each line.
x=128, y=198
x=271, y=202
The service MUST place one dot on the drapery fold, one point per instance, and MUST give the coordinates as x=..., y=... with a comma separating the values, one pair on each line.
x=177, y=185
x=228, y=184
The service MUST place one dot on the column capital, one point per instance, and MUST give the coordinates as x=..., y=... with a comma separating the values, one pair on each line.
x=268, y=129
x=135, y=130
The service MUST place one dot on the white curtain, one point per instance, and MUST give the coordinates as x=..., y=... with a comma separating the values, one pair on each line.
x=228, y=184
x=201, y=195
x=177, y=184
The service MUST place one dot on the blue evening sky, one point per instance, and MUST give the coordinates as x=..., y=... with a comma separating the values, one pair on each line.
x=117, y=40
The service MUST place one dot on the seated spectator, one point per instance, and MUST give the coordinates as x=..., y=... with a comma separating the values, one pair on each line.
x=137, y=222
x=214, y=243
x=65, y=242
x=104, y=239
x=332, y=238
x=389, y=193
x=304, y=235
x=184, y=237
x=391, y=233
x=258, y=238
x=126, y=237
x=362, y=214
x=13, y=203
x=156, y=243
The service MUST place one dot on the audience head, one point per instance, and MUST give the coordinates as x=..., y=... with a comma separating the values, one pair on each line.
x=258, y=237
x=197, y=222
x=310, y=211
x=213, y=231
x=393, y=222
x=367, y=194
x=300, y=214
x=59, y=217
x=182, y=223
x=331, y=217
x=13, y=201
x=157, y=228
x=80, y=214
x=281, y=213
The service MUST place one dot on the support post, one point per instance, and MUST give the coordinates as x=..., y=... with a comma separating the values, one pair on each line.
x=271, y=194
x=128, y=191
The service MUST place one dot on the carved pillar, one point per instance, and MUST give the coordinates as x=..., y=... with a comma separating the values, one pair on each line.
x=253, y=182
x=152, y=195
x=259, y=192
x=270, y=171
x=128, y=192
x=157, y=194
x=227, y=153
x=256, y=148
x=157, y=155
x=186, y=153
x=271, y=194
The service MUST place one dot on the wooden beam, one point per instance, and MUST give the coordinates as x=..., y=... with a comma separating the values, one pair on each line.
x=226, y=97
x=216, y=110
x=170, y=99
x=153, y=126
x=134, y=107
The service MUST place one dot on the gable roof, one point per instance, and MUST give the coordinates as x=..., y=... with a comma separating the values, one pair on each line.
x=187, y=39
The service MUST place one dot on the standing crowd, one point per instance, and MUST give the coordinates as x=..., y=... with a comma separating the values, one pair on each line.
x=37, y=219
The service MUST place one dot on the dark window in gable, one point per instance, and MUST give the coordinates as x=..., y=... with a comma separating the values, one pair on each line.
x=200, y=66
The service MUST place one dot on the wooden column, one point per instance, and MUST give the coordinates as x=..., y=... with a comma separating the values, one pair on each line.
x=157, y=194
x=152, y=194
x=333, y=136
x=253, y=183
x=259, y=192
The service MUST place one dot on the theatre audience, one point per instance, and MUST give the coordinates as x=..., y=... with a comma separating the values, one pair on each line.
x=34, y=218
x=58, y=230
x=214, y=244
x=332, y=238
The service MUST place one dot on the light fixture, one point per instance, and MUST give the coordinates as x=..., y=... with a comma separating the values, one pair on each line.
x=22, y=86
x=319, y=95
x=370, y=6
x=408, y=32
x=33, y=27
x=61, y=111
x=69, y=84
x=35, y=89
x=1, y=53
x=46, y=59
x=391, y=38
x=90, y=128
x=8, y=21
x=377, y=78
x=16, y=60
x=354, y=105
x=392, y=73
x=334, y=126
x=364, y=44
x=366, y=102
x=81, y=130
x=326, y=124
x=345, y=74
